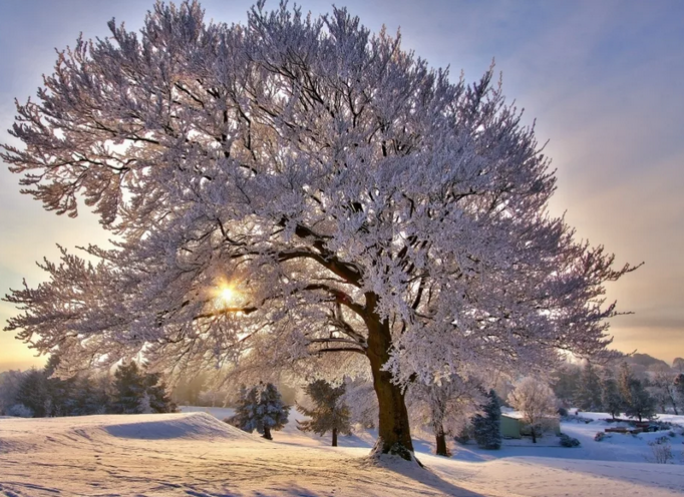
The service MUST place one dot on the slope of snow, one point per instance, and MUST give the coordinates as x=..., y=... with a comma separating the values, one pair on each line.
x=194, y=454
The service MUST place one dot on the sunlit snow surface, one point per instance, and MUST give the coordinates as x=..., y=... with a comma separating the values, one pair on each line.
x=195, y=454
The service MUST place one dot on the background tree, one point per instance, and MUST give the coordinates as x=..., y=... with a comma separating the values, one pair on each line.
x=588, y=393
x=663, y=389
x=34, y=395
x=189, y=388
x=329, y=414
x=128, y=391
x=536, y=402
x=639, y=403
x=487, y=426
x=10, y=382
x=564, y=381
x=260, y=408
x=360, y=396
x=613, y=402
x=137, y=392
x=678, y=364
x=679, y=390
x=445, y=407
x=354, y=199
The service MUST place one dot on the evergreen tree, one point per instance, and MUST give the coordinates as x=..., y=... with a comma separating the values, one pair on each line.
x=487, y=427
x=128, y=389
x=565, y=383
x=588, y=394
x=640, y=403
x=10, y=382
x=33, y=393
x=260, y=408
x=329, y=413
x=136, y=392
x=624, y=380
x=156, y=396
x=90, y=397
x=610, y=394
x=679, y=390
x=61, y=392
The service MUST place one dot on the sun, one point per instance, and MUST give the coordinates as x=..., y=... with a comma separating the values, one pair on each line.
x=226, y=295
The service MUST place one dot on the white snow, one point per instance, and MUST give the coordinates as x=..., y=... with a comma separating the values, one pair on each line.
x=195, y=454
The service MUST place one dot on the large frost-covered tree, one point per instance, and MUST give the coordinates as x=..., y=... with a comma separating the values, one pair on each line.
x=296, y=187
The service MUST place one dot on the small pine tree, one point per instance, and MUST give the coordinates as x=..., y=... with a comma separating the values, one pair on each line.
x=90, y=397
x=330, y=413
x=612, y=400
x=136, y=392
x=128, y=389
x=260, y=408
x=33, y=393
x=156, y=396
x=487, y=427
x=641, y=404
x=588, y=394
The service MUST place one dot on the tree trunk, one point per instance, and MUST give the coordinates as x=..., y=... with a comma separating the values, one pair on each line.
x=334, y=437
x=442, y=450
x=394, y=434
x=534, y=435
x=267, y=433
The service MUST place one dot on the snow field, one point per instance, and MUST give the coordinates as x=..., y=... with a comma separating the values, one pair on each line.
x=194, y=454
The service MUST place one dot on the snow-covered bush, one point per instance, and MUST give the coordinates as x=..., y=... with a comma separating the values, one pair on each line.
x=661, y=451
x=19, y=411
x=600, y=435
x=568, y=441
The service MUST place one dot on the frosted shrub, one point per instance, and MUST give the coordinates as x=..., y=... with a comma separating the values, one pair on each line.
x=568, y=441
x=661, y=451
x=19, y=411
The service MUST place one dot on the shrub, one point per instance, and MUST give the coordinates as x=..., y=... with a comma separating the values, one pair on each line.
x=599, y=436
x=568, y=441
x=661, y=450
x=19, y=411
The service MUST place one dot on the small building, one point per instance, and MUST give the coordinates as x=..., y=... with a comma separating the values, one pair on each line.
x=510, y=427
x=513, y=427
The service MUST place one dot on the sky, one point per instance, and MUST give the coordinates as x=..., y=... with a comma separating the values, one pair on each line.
x=601, y=79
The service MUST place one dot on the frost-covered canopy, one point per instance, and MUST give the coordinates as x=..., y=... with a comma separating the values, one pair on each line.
x=335, y=182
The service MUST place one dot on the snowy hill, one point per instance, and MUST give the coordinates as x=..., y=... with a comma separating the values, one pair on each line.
x=195, y=454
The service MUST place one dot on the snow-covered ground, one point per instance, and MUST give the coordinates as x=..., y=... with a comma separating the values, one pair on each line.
x=195, y=454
